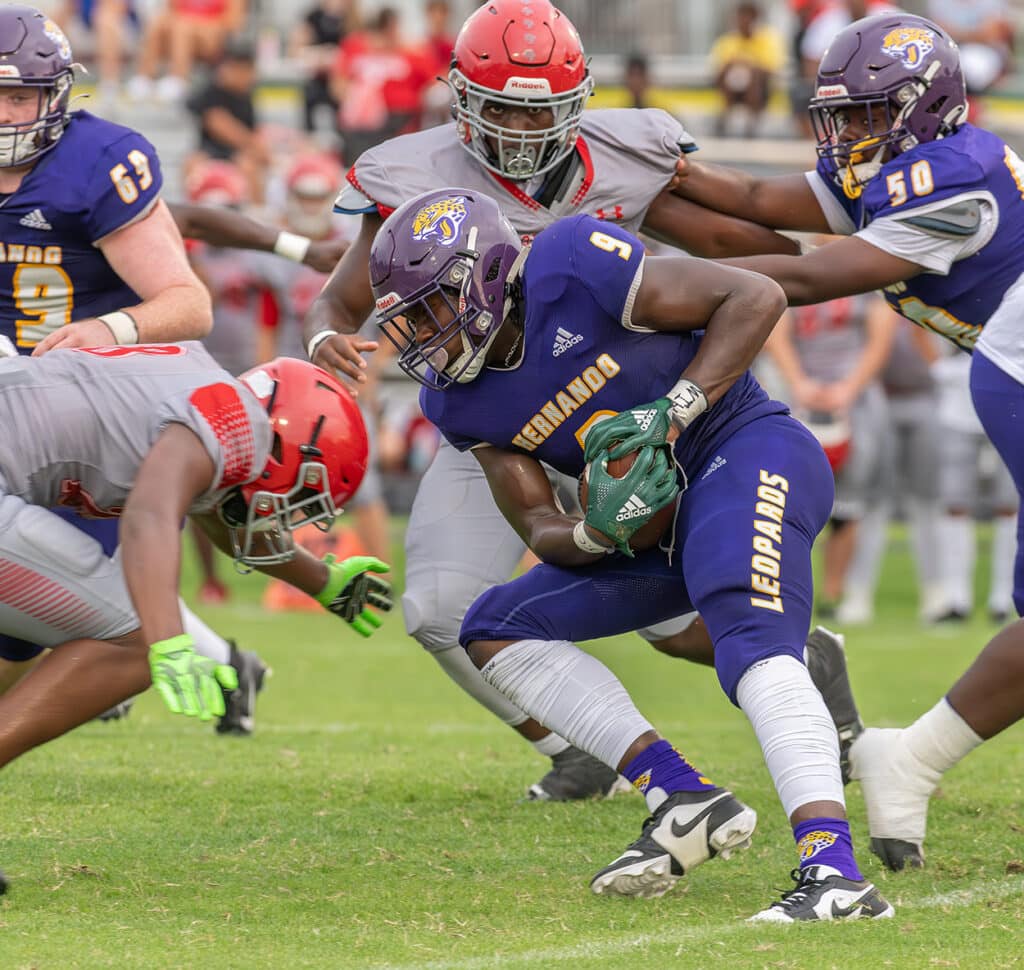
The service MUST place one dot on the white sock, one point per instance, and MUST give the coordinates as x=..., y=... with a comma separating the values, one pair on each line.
x=956, y=560
x=456, y=664
x=796, y=733
x=940, y=738
x=1004, y=552
x=571, y=692
x=862, y=574
x=208, y=643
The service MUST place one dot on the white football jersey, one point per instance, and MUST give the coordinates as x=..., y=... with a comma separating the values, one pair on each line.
x=625, y=156
x=78, y=423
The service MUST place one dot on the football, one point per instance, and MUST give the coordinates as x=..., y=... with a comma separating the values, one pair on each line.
x=647, y=536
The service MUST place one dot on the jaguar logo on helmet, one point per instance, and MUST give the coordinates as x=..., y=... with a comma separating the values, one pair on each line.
x=440, y=220
x=909, y=45
x=57, y=36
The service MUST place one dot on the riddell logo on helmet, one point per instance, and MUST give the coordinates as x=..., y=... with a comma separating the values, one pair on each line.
x=9, y=70
x=527, y=85
x=388, y=301
x=831, y=91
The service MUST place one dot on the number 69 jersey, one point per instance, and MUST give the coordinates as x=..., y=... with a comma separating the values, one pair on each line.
x=956, y=207
x=97, y=179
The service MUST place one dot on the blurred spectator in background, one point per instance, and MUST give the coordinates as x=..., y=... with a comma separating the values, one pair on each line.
x=226, y=116
x=746, y=61
x=378, y=82
x=436, y=52
x=637, y=80
x=964, y=449
x=830, y=355
x=314, y=42
x=804, y=73
x=911, y=480
x=107, y=21
x=184, y=32
x=984, y=31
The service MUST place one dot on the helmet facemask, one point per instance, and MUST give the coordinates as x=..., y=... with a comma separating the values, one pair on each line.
x=23, y=143
x=429, y=363
x=511, y=153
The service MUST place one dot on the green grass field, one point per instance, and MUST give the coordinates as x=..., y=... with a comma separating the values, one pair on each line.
x=374, y=821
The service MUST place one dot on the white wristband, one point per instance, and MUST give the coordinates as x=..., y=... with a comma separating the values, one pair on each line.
x=688, y=403
x=583, y=541
x=122, y=325
x=316, y=340
x=291, y=246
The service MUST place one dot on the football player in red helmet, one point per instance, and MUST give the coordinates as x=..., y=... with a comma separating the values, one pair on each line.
x=510, y=57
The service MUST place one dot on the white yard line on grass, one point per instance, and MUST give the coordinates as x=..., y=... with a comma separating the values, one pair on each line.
x=990, y=889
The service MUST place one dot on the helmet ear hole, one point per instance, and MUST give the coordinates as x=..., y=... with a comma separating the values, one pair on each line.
x=277, y=449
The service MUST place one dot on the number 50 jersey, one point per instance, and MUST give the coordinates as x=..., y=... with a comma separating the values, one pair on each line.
x=99, y=178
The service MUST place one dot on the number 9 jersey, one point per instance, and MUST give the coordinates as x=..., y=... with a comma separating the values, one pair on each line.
x=97, y=179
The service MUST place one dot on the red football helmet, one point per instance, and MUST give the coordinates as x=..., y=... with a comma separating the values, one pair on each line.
x=317, y=459
x=518, y=54
x=312, y=182
x=217, y=183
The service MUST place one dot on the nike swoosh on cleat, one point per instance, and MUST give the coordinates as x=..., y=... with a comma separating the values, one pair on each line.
x=680, y=830
x=839, y=912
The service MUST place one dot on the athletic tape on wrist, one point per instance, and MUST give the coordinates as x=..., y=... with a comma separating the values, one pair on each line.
x=584, y=542
x=688, y=403
x=316, y=340
x=291, y=246
x=122, y=325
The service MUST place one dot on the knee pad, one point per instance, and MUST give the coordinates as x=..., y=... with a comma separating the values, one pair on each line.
x=433, y=630
x=733, y=659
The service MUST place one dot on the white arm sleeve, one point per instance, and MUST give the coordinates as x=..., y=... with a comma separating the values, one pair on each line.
x=838, y=220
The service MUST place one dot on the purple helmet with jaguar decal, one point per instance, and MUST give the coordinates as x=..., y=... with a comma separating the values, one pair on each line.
x=905, y=72
x=448, y=253
x=35, y=84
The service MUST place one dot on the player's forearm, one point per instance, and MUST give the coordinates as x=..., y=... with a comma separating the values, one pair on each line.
x=792, y=273
x=556, y=539
x=330, y=312
x=303, y=571
x=722, y=189
x=151, y=560
x=734, y=335
x=179, y=312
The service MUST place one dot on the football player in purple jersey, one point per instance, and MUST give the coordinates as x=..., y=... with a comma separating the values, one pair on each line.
x=546, y=353
x=249, y=460
x=933, y=211
x=521, y=135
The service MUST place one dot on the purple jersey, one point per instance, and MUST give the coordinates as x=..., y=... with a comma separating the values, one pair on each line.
x=98, y=178
x=581, y=361
x=962, y=194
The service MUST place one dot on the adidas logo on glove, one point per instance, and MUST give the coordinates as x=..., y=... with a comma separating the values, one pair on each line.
x=644, y=418
x=633, y=509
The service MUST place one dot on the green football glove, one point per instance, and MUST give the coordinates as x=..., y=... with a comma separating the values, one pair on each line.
x=189, y=683
x=352, y=587
x=627, y=431
x=617, y=507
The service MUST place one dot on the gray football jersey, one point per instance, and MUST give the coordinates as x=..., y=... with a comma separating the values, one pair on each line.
x=830, y=337
x=78, y=423
x=626, y=157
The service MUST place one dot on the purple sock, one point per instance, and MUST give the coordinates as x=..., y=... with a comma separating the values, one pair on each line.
x=660, y=771
x=827, y=842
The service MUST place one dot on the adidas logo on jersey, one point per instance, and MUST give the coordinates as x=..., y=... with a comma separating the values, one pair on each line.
x=35, y=220
x=633, y=509
x=717, y=463
x=644, y=418
x=564, y=341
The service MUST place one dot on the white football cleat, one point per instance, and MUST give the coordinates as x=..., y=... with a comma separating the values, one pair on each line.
x=822, y=893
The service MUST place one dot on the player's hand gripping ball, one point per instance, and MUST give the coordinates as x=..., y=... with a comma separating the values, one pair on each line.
x=633, y=506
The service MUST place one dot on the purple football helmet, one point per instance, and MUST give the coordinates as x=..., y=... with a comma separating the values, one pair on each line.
x=900, y=68
x=34, y=55
x=453, y=251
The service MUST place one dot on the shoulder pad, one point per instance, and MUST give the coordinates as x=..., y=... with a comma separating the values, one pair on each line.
x=352, y=201
x=958, y=219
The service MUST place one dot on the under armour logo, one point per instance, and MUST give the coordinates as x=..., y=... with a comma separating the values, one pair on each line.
x=35, y=220
x=614, y=215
